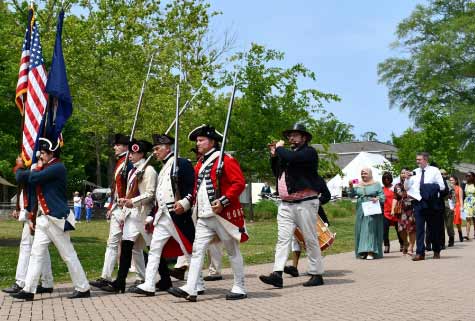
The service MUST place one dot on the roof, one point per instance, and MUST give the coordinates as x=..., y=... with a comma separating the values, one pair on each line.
x=3, y=181
x=347, y=151
x=465, y=167
x=356, y=147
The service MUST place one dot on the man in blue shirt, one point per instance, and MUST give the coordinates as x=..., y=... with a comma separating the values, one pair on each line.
x=54, y=220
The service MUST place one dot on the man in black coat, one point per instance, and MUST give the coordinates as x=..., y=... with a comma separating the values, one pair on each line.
x=174, y=231
x=299, y=188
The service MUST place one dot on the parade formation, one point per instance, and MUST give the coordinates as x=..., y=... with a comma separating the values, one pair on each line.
x=181, y=212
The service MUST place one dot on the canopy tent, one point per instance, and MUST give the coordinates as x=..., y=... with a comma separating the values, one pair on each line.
x=353, y=171
x=3, y=181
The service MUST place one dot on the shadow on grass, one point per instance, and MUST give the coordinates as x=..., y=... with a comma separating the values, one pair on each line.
x=10, y=242
x=85, y=239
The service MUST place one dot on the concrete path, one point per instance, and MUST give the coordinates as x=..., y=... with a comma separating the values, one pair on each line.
x=393, y=288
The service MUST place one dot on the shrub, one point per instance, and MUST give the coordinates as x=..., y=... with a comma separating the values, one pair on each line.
x=263, y=210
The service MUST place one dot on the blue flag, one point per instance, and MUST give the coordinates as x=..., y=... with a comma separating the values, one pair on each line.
x=57, y=87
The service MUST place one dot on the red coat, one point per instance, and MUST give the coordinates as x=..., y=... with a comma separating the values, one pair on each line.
x=232, y=184
x=119, y=183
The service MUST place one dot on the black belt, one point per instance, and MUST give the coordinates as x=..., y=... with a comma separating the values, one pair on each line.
x=300, y=200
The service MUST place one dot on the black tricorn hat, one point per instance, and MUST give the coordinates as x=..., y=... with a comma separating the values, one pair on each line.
x=299, y=128
x=47, y=145
x=162, y=139
x=205, y=131
x=140, y=146
x=120, y=139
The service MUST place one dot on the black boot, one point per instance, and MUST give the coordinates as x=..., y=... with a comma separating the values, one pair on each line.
x=275, y=279
x=165, y=281
x=460, y=236
x=451, y=241
x=124, y=265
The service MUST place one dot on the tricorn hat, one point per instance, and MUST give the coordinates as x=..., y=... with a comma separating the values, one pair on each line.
x=162, y=139
x=120, y=139
x=140, y=146
x=205, y=131
x=47, y=145
x=299, y=128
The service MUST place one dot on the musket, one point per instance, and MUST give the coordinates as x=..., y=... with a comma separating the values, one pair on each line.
x=182, y=110
x=175, y=156
x=139, y=105
x=219, y=169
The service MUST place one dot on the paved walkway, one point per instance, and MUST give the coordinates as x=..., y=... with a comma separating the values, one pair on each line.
x=393, y=288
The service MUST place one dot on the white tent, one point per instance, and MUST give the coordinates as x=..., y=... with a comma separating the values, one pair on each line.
x=353, y=171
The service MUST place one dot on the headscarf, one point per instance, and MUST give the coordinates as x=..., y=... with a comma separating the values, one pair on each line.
x=370, y=177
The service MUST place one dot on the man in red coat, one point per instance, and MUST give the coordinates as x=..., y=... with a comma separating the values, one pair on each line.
x=222, y=217
x=119, y=185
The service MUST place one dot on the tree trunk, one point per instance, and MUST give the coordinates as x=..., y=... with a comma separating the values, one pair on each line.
x=98, y=162
x=251, y=208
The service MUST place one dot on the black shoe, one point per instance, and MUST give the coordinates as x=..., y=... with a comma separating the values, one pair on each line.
x=428, y=248
x=235, y=296
x=99, y=283
x=179, y=273
x=451, y=241
x=201, y=292
x=138, y=282
x=22, y=295
x=137, y=290
x=179, y=293
x=292, y=270
x=113, y=287
x=15, y=288
x=315, y=280
x=213, y=278
x=163, y=285
x=78, y=294
x=40, y=289
x=273, y=279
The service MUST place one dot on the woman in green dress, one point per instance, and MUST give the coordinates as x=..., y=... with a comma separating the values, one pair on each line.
x=368, y=229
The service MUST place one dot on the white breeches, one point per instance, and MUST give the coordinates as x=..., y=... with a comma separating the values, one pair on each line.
x=47, y=232
x=206, y=229
x=215, y=255
x=304, y=216
x=24, y=259
x=163, y=231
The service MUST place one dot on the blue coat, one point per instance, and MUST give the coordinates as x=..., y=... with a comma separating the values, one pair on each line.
x=52, y=181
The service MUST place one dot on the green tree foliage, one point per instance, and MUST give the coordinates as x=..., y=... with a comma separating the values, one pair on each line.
x=328, y=129
x=269, y=101
x=9, y=114
x=107, y=46
x=437, y=69
x=438, y=136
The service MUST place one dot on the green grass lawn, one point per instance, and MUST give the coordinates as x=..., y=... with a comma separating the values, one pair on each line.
x=89, y=240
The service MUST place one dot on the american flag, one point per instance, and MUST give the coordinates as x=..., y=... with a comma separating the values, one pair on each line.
x=36, y=96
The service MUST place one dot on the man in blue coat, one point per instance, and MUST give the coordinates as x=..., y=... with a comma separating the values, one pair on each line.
x=54, y=220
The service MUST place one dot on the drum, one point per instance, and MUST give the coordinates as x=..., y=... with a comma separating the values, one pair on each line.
x=325, y=236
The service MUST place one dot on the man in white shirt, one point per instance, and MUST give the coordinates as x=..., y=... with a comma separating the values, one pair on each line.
x=424, y=185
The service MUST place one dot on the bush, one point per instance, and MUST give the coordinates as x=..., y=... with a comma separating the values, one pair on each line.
x=263, y=210
x=340, y=208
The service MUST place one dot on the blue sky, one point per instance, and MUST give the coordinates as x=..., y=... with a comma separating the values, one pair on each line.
x=341, y=40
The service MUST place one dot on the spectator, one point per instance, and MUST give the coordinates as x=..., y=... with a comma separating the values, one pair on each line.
x=89, y=205
x=456, y=204
x=77, y=206
x=403, y=210
x=469, y=202
x=265, y=189
x=389, y=219
x=368, y=229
